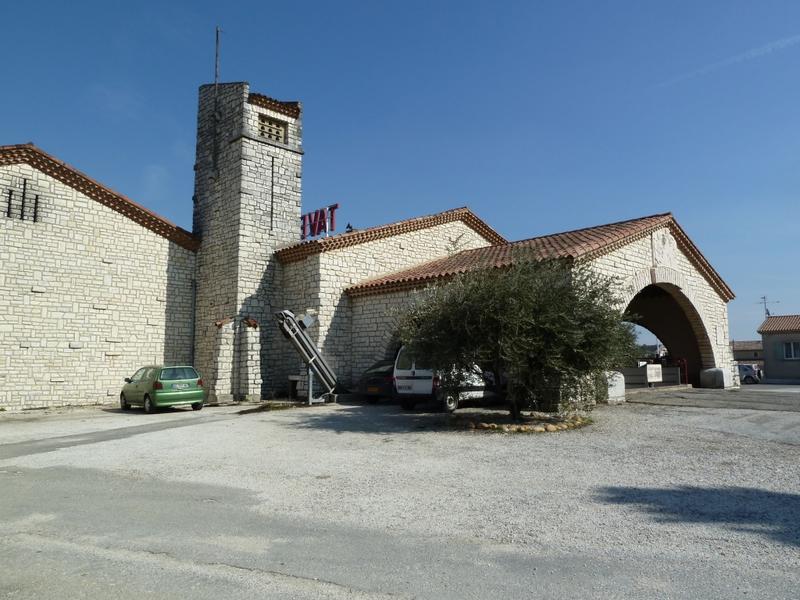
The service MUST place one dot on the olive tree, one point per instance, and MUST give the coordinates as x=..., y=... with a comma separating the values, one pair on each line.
x=548, y=330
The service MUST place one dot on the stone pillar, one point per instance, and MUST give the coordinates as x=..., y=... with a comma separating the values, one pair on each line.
x=248, y=360
x=219, y=380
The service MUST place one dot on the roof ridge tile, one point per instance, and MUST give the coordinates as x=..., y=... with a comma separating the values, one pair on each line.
x=304, y=249
x=580, y=244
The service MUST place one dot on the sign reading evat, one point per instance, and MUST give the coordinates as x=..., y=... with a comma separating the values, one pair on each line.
x=322, y=220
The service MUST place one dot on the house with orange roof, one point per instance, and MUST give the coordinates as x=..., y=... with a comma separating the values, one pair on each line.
x=780, y=338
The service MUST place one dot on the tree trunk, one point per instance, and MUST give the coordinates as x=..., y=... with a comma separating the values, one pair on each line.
x=513, y=408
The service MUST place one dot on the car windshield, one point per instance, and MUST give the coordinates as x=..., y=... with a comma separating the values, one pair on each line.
x=171, y=373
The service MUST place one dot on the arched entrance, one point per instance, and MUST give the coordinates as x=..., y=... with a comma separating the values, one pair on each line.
x=667, y=313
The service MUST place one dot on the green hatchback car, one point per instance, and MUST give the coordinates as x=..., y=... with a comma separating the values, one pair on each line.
x=158, y=386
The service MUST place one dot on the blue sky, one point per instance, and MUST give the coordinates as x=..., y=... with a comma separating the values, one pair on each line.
x=540, y=116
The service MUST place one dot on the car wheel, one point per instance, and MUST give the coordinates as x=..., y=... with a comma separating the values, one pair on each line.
x=197, y=406
x=123, y=404
x=407, y=404
x=749, y=379
x=149, y=407
x=450, y=402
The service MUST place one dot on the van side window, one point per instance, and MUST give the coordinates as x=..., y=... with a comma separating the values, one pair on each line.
x=421, y=365
x=404, y=360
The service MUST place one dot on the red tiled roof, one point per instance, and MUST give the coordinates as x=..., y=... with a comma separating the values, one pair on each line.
x=580, y=244
x=746, y=345
x=288, y=108
x=344, y=240
x=41, y=161
x=781, y=324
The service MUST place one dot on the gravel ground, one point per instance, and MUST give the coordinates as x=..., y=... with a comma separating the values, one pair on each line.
x=650, y=485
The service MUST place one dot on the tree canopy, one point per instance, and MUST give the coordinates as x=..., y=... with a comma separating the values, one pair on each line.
x=548, y=329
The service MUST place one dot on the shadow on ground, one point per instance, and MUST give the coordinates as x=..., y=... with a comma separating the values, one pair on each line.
x=139, y=410
x=762, y=512
x=357, y=417
x=385, y=417
x=51, y=444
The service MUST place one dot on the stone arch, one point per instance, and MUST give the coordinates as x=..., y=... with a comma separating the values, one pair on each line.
x=666, y=305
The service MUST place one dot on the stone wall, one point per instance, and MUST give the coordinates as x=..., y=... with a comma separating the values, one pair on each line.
x=216, y=222
x=87, y=296
x=651, y=259
x=657, y=259
x=374, y=321
x=318, y=283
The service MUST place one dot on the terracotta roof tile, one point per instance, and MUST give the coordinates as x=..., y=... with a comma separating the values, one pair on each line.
x=302, y=250
x=41, y=161
x=288, y=108
x=781, y=324
x=580, y=244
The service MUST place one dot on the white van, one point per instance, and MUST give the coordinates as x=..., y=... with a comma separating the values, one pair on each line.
x=415, y=381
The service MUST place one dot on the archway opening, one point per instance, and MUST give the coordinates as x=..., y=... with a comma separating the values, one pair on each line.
x=648, y=346
x=663, y=310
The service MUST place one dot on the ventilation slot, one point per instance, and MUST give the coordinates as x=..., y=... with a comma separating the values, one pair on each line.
x=272, y=129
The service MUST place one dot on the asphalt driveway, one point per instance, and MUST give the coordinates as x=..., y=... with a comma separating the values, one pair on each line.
x=784, y=398
x=354, y=501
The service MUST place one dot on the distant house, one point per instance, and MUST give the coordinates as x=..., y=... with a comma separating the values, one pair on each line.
x=780, y=336
x=748, y=352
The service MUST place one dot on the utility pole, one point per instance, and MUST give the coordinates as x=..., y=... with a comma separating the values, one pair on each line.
x=764, y=303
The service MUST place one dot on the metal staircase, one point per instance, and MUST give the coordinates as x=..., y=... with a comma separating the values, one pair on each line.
x=294, y=330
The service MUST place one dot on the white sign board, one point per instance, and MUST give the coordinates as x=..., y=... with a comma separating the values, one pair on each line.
x=654, y=374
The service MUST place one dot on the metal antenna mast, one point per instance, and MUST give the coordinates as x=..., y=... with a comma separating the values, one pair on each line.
x=764, y=303
x=216, y=58
x=217, y=115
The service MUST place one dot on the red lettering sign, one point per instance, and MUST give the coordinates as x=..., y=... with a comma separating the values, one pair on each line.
x=321, y=220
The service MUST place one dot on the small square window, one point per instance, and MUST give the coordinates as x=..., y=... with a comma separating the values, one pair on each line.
x=791, y=350
x=272, y=129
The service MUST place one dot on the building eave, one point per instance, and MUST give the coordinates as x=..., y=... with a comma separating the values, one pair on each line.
x=49, y=165
x=302, y=250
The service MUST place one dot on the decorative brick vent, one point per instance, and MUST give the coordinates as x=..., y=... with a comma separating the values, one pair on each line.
x=20, y=205
x=272, y=129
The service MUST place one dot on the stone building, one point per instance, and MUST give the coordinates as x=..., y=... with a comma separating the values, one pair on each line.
x=93, y=285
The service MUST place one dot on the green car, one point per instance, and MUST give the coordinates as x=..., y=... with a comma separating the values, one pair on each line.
x=156, y=386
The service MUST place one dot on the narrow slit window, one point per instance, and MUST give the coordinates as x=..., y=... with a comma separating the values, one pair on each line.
x=272, y=129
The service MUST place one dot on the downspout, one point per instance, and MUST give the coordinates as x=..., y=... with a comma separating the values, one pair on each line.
x=193, y=325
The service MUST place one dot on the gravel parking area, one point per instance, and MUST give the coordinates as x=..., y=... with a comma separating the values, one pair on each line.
x=649, y=502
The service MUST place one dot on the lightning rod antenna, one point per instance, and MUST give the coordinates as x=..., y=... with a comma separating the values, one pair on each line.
x=216, y=57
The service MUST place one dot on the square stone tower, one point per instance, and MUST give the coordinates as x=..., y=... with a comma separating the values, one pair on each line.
x=246, y=206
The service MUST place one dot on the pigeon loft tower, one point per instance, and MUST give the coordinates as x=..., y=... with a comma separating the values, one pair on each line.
x=246, y=206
